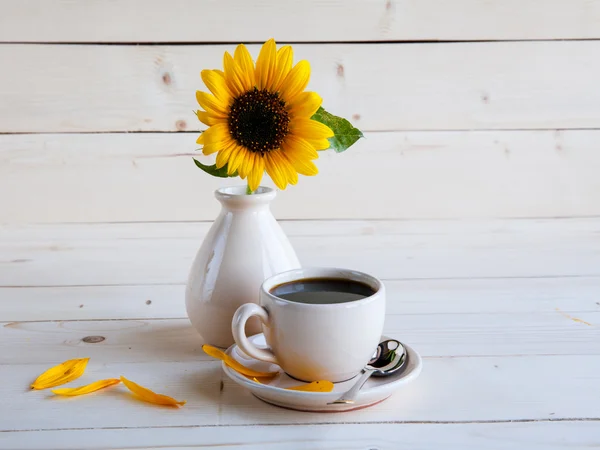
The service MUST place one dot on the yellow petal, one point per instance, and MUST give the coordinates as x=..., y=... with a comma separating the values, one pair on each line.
x=217, y=133
x=63, y=373
x=245, y=64
x=275, y=171
x=296, y=81
x=215, y=82
x=315, y=386
x=88, y=388
x=207, y=119
x=266, y=64
x=305, y=104
x=302, y=166
x=235, y=159
x=217, y=146
x=255, y=176
x=223, y=156
x=247, y=164
x=148, y=396
x=285, y=56
x=235, y=79
x=311, y=130
x=231, y=362
x=319, y=144
x=286, y=167
x=299, y=147
x=200, y=139
x=211, y=104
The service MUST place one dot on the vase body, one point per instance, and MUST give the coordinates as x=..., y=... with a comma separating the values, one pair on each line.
x=244, y=246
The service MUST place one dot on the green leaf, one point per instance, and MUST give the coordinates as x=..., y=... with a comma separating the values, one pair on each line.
x=212, y=170
x=345, y=135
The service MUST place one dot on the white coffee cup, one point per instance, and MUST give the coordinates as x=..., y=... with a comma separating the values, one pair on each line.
x=310, y=342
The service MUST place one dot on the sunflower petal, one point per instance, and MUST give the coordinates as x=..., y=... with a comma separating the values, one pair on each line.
x=88, y=388
x=234, y=160
x=315, y=386
x=300, y=163
x=63, y=373
x=211, y=104
x=275, y=171
x=217, y=133
x=310, y=129
x=215, y=82
x=319, y=144
x=255, y=176
x=266, y=65
x=207, y=119
x=214, y=147
x=235, y=79
x=305, y=104
x=285, y=57
x=247, y=164
x=200, y=139
x=299, y=146
x=234, y=364
x=286, y=167
x=223, y=156
x=149, y=396
x=244, y=62
x=296, y=81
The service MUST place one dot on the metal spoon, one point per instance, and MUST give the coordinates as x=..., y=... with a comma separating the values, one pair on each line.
x=389, y=358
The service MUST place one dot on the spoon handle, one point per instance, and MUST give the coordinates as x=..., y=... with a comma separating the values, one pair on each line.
x=350, y=396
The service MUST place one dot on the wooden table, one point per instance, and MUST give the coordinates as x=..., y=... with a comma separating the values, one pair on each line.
x=505, y=313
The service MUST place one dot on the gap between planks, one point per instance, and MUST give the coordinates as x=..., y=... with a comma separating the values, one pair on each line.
x=296, y=42
x=392, y=422
x=380, y=130
x=514, y=277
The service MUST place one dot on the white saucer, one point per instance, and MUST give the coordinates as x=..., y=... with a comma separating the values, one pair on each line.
x=273, y=391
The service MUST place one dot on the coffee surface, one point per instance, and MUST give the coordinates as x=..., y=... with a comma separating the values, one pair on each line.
x=322, y=291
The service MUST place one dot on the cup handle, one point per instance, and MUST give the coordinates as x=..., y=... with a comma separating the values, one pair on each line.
x=238, y=328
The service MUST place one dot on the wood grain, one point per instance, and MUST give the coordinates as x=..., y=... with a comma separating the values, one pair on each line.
x=162, y=253
x=544, y=435
x=312, y=20
x=498, y=85
x=397, y=175
x=571, y=295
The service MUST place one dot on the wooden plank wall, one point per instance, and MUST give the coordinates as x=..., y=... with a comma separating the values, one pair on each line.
x=470, y=108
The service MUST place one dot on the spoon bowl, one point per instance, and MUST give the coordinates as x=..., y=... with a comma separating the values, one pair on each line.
x=389, y=357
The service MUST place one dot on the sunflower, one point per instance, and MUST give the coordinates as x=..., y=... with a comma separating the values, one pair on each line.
x=259, y=117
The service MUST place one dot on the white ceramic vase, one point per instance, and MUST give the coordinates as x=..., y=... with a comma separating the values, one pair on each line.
x=244, y=246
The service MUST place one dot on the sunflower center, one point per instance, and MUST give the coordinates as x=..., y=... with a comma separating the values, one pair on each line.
x=258, y=120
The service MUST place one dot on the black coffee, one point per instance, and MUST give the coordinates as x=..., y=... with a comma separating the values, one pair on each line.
x=322, y=291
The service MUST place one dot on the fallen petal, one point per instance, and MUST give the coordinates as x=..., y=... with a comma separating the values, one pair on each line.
x=315, y=386
x=63, y=373
x=231, y=362
x=148, y=396
x=88, y=388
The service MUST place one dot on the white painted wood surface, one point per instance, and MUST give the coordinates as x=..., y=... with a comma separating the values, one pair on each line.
x=311, y=20
x=63, y=177
x=449, y=86
x=505, y=314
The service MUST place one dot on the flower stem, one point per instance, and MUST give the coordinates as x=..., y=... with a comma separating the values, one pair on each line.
x=249, y=191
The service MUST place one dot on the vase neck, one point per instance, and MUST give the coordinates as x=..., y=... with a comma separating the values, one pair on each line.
x=235, y=198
